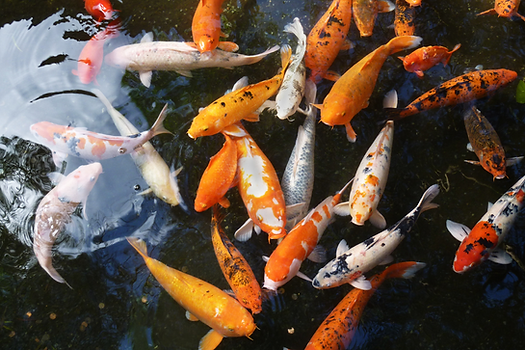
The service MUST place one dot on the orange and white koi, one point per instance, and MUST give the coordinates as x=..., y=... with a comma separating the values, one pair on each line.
x=326, y=39
x=505, y=8
x=161, y=179
x=99, y=9
x=351, y=92
x=404, y=18
x=349, y=265
x=338, y=329
x=203, y=301
x=466, y=87
x=235, y=268
x=427, y=57
x=259, y=188
x=218, y=177
x=485, y=142
x=90, y=145
x=55, y=209
x=365, y=13
x=206, y=27
x=239, y=104
x=299, y=244
x=481, y=243
x=180, y=57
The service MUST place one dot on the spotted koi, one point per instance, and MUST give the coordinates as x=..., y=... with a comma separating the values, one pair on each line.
x=404, y=18
x=427, y=57
x=505, y=8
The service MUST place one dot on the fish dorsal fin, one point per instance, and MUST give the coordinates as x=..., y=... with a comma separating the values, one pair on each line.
x=489, y=205
x=190, y=316
x=500, y=256
x=458, y=231
x=378, y=220
x=342, y=209
x=342, y=247
x=361, y=283
x=210, y=341
x=318, y=255
x=147, y=38
x=244, y=232
x=239, y=84
x=145, y=78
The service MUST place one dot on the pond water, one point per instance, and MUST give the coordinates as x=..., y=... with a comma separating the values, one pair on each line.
x=115, y=303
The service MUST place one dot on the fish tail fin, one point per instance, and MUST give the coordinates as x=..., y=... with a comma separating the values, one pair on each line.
x=393, y=113
x=404, y=42
x=139, y=245
x=296, y=29
x=446, y=59
x=406, y=269
x=158, y=127
x=217, y=215
x=426, y=200
x=286, y=55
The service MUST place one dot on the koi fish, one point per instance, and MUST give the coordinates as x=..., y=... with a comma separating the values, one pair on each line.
x=466, y=87
x=259, y=188
x=203, y=301
x=485, y=142
x=90, y=145
x=349, y=265
x=218, y=177
x=297, y=182
x=339, y=327
x=351, y=92
x=299, y=244
x=55, y=209
x=235, y=268
x=180, y=57
x=206, y=27
x=370, y=181
x=326, y=39
x=427, y=57
x=414, y=2
x=161, y=179
x=481, y=243
x=99, y=9
x=239, y=104
x=404, y=17
x=365, y=13
x=292, y=88
x=505, y=8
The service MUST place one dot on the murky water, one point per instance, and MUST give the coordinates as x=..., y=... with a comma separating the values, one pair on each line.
x=116, y=303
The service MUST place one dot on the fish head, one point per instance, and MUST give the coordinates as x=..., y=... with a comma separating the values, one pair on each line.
x=410, y=62
x=100, y=9
x=495, y=164
x=206, y=43
x=336, y=110
x=46, y=132
x=77, y=185
x=476, y=247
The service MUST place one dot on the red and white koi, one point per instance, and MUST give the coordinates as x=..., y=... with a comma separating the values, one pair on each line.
x=90, y=145
x=349, y=265
x=55, y=209
x=161, y=179
x=299, y=244
x=180, y=57
x=481, y=243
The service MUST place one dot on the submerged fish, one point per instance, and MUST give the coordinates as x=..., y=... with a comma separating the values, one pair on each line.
x=349, y=265
x=427, y=57
x=206, y=25
x=203, y=301
x=365, y=13
x=505, y=8
x=481, y=243
x=99, y=9
x=404, y=17
x=55, y=209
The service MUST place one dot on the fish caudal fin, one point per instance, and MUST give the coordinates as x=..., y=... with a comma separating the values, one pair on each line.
x=426, y=200
x=405, y=269
x=296, y=29
x=158, y=127
x=403, y=43
x=139, y=245
x=210, y=341
x=446, y=59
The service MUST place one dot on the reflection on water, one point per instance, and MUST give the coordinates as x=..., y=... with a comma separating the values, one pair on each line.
x=115, y=303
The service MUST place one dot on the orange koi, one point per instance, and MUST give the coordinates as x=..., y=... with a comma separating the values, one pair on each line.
x=326, y=39
x=202, y=301
x=405, y=15
x=505, y=8
x=218, y=178
x=235, y=268
x=239, y=104
x=427, y=57
x=365, y=13
x=351, y=92
x=99, y=9
x=259, y=188
x=206, y=27
x=338, y=329
x=414, y=2
x=466, y=87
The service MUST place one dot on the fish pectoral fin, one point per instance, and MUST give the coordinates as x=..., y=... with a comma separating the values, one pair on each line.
x=268, y=104
x=342, y=209
x=224, y=202
x=318, y=255
x=350, y=133
x=500, y=256
x=294, y=209
x=146, y=191
x=341, y=248
x=458, y=231
x=491, y=11
x=210, y=341
x=331, y=75
x=387, y=260
x=303, y=276
x=244, y=232
x=473, y=162
x=229, y=46
x=361, y=283
x=347, y=45
x=513, y=161
x=253, y=117
x=184, y=72
x=145, y=77
x=377, y=220
x=191, y=317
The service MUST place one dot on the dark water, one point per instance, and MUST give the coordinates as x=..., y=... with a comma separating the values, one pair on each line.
x=115, y=302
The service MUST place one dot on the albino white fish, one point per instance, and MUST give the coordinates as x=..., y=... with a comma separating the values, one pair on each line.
x=371, y=176
x=292, y=88
x=298, y=177
x=349, y=265
x=161, y=180
x=147, y=56
x=55, y=209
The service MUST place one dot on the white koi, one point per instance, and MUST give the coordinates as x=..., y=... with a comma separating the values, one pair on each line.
x=349, y=265
x=55, y=209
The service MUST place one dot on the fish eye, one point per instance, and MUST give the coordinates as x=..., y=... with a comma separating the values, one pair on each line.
x=205, y=128
x=121, y=150
x=92, y=178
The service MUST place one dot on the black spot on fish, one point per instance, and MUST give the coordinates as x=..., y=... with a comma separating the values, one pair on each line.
x=223, y=104
x=369, y=242
x=323, y=34
x=134, y=136
x=248, y=94
x=486, y=243
x=367, y=170
x=468, y=248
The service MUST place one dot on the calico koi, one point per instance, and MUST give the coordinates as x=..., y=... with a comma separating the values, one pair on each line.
x=365, y=13
x=505, y=8
x=55, y=209
x=481, y=243
x=99, y=9
x=466, y=87
x=203, y=301
x=351, y=92
x=206, y=26
x=299, y=244
x=239, y=104
x=427, y=57
x=339, y=327
x=235, y=268
x=326, y=39
x=404, y=17
x=349, y=265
